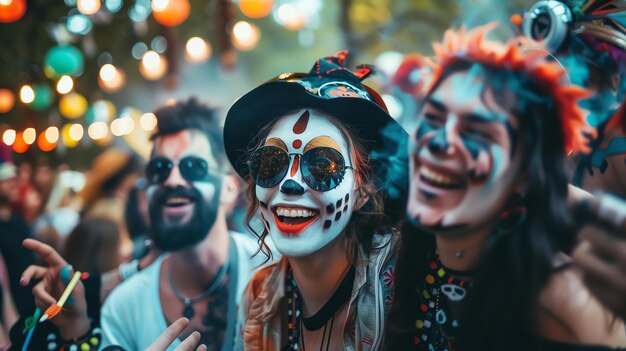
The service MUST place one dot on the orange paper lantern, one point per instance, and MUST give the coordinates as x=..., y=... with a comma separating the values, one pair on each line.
x=256, y=8
x=171, y=13
x=44, y=144
x=12, y=10
x=19, y=145
x=7, y=100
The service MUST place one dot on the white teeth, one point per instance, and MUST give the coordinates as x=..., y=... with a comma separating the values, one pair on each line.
x=292, y=212
x=177, y=200
x=434, y=176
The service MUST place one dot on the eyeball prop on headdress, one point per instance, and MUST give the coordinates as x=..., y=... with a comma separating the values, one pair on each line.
x=548, y=21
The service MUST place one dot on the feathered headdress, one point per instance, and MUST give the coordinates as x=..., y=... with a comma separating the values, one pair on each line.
x=472, y=46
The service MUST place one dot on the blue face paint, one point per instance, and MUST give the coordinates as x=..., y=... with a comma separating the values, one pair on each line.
x=602, y=106
x=616, y=146
x=469, y=86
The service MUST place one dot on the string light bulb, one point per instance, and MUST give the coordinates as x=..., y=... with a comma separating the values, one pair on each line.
x=27, y=94
x=8, y=137
x=88, y=7
x=65, y=84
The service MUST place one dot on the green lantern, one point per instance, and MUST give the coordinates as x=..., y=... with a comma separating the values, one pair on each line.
x=63, y=59
x=43, y=97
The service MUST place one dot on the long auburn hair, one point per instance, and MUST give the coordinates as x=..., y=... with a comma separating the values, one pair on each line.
x=501, y=309
x=363, y=223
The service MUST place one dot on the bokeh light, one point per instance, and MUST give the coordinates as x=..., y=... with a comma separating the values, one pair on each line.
x=76, y=132
x=153, y=66
x=72, y=105
x=65, y=85
x=197, y=50
x=111, y=78
x=88, y=7
x=245, y=35
x=79, y=24
x=122, y=126
x=148, y=121
x=98, y=130
x=7, y=100
x=8, y=137
x=170, y=13
x=29, y=135
x=12, y=10
x=256, y=8
x=27, y=94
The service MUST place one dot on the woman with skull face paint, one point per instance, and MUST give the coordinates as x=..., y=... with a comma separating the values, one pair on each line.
x=487, y=179
x=312, y=178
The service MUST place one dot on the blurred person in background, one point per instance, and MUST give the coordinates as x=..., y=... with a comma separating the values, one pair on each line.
x=111, y=177
x=13, y=230
x=61, y=211
x=94, y=246
x=28, y=200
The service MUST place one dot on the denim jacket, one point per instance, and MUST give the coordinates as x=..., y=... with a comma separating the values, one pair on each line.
x=263, y=312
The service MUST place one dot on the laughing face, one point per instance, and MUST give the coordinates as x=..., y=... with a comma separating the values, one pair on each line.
x=299, y=219
x=182, y=212
x=464, y=156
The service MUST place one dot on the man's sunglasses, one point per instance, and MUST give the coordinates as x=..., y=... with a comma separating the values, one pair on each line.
x=322, y=168
x=192, y=169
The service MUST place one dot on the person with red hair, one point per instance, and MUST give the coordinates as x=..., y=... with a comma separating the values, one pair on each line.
x=480, y=265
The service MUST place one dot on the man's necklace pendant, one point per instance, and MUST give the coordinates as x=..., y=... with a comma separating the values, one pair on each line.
x=188, y=311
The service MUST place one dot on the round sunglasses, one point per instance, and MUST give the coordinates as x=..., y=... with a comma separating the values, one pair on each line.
x=322, y=168
x=192, y=169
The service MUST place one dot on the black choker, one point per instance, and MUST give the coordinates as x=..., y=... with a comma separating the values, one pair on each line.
x=339, y=297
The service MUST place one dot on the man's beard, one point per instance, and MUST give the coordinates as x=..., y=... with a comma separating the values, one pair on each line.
x=173, y=237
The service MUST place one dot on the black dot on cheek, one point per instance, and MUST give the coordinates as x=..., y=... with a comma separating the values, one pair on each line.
x=330, y=209
x=263, y=204
x=347, y=197
x=339, y=202
x=345, y=208
x=338, y=216
x=327, y=224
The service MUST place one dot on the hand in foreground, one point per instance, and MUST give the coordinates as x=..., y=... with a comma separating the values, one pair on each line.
x=72, y=321
x=171, y=333
x=602, y=258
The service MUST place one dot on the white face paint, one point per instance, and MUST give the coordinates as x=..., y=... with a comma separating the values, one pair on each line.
x=301, y=220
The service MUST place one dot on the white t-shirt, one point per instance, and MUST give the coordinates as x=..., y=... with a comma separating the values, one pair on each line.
x=132, y=316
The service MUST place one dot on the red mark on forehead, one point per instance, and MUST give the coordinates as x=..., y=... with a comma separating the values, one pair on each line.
x=295, y=165
x=302, y=123
x=297, y=144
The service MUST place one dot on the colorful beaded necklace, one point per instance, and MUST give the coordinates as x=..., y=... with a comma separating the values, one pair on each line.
x=436, y=331
x=295, y=320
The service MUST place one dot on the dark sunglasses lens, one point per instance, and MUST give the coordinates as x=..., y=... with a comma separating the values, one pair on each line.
x=158, y=170
x=193, y=169
x=268, y=166
x=322, y=168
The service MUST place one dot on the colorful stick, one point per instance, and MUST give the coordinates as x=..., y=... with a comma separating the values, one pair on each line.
x=53, y=310
x=32, y=328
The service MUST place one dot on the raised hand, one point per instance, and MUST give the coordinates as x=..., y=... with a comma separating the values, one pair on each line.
x=171, y=333
x=73, y=321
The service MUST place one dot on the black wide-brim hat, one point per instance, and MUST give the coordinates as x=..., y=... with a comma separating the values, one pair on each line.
x=330, y=88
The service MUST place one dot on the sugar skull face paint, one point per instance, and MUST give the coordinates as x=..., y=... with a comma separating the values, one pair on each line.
x=302, y=213
x=464, y=157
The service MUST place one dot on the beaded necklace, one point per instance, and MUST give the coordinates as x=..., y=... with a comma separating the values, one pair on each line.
x=326, y=314
x=436, y=330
